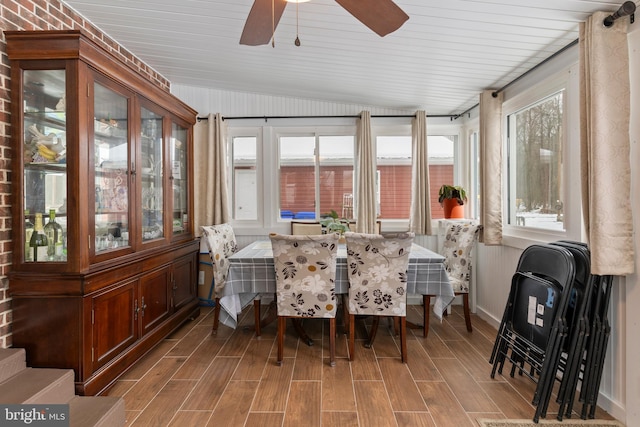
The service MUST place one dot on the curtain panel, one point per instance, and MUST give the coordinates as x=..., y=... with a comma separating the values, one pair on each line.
x=605, y=144
x=211, y=202
x=491, y=168
x=420, y=215
x=365, y=176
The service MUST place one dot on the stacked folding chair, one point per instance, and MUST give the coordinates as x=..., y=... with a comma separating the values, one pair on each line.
x=588, y=332
x=597, y=345
x=534, y=324
x=565, y=338
x=578, y=328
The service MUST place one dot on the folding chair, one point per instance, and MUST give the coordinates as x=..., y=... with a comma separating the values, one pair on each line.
x=571, y=359
x=597, y=346
x=534, y=326
x=593, y=346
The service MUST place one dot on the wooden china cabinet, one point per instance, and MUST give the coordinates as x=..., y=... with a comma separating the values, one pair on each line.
x=111, y=156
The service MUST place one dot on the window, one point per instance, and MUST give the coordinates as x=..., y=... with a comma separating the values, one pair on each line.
x=244, y=177
x=305, y=172
x=316, y=175
x=336, y=175
x=441, y=149
x=535, y=161
x=393, y=158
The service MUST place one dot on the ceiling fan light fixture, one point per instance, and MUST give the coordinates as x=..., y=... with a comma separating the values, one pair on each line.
x=380, y=16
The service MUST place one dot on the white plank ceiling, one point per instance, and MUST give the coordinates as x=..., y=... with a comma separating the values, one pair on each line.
x=439, y=60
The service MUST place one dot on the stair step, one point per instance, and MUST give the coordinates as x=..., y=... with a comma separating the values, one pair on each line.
x=39, y=385
x=12, y=361
x=96, y=411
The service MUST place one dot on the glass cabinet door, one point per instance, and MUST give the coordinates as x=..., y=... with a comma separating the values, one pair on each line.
x=151, y=162
x=45, y=168
x=179, y=178
x=111, y=162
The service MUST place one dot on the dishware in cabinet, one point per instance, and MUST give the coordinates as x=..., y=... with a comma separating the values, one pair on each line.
x=112, y=166
x=151, y=175
x=179, y=152
x=43, y=149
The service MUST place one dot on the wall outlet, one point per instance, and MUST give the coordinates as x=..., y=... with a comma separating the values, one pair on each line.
x=201, y=278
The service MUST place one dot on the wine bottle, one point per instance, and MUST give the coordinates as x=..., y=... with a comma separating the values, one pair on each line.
x=53, y=230
x=28, y=231
x=38, y=241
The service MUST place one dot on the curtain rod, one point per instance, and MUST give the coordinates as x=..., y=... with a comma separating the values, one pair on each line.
x=496, y=92
x=451, y=116
x=570, y=45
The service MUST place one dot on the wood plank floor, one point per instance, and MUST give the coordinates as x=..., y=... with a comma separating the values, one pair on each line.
x=193, y=378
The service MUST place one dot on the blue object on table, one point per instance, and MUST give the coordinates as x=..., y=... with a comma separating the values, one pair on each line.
x=305, y=215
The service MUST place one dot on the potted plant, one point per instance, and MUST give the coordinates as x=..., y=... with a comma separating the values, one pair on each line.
x=332, y=223
x=452, y=198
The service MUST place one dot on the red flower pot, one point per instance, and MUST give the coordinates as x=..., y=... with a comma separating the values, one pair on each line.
x=452, y=209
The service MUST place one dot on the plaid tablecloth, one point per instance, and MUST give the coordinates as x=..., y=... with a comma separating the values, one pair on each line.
x=251, y=273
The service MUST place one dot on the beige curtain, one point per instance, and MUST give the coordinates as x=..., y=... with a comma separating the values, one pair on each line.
x=420, y=218
x=211, y=203
x=604, y=140
x=491, y=168
x=365, y=176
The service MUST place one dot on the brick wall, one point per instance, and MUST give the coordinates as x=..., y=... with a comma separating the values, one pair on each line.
x=297, y=188
x=37, y=15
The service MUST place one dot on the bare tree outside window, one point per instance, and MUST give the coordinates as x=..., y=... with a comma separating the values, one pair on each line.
x=535, y=165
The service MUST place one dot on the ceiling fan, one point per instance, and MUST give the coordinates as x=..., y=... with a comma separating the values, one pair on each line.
x=381, y=16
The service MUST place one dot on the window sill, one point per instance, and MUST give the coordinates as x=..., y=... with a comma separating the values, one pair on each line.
x=530, y=237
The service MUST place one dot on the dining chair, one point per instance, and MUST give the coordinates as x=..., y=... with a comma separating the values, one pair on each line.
x=457, y=250
x=353, y=227
x=377, y=271
x=305, y=270
x=302, y=228
x=221, y=242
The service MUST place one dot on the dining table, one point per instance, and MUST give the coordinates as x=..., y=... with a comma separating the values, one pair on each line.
x=251, y=273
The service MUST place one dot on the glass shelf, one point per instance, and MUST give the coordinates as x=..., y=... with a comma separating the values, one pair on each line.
x=111, y=169
x=44, y=159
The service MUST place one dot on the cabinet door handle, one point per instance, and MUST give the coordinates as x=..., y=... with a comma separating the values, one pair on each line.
x=144, y=306
x=136, y=309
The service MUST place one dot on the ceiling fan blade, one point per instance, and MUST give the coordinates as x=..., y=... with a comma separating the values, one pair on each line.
x=261, y=22
x=381, y=16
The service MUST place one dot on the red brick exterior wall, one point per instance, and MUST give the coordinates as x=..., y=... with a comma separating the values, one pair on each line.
x=297, y=189
x=37, y=15
x=438, y=175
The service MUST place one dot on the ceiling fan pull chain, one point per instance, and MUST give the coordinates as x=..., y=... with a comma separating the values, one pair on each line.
x=297, y=42
x=273, y=24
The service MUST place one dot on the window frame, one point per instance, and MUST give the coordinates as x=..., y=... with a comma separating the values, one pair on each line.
x=316, y=131
x=246, y=132
x=567, y=80
x=267, y=162
x=436, y=126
